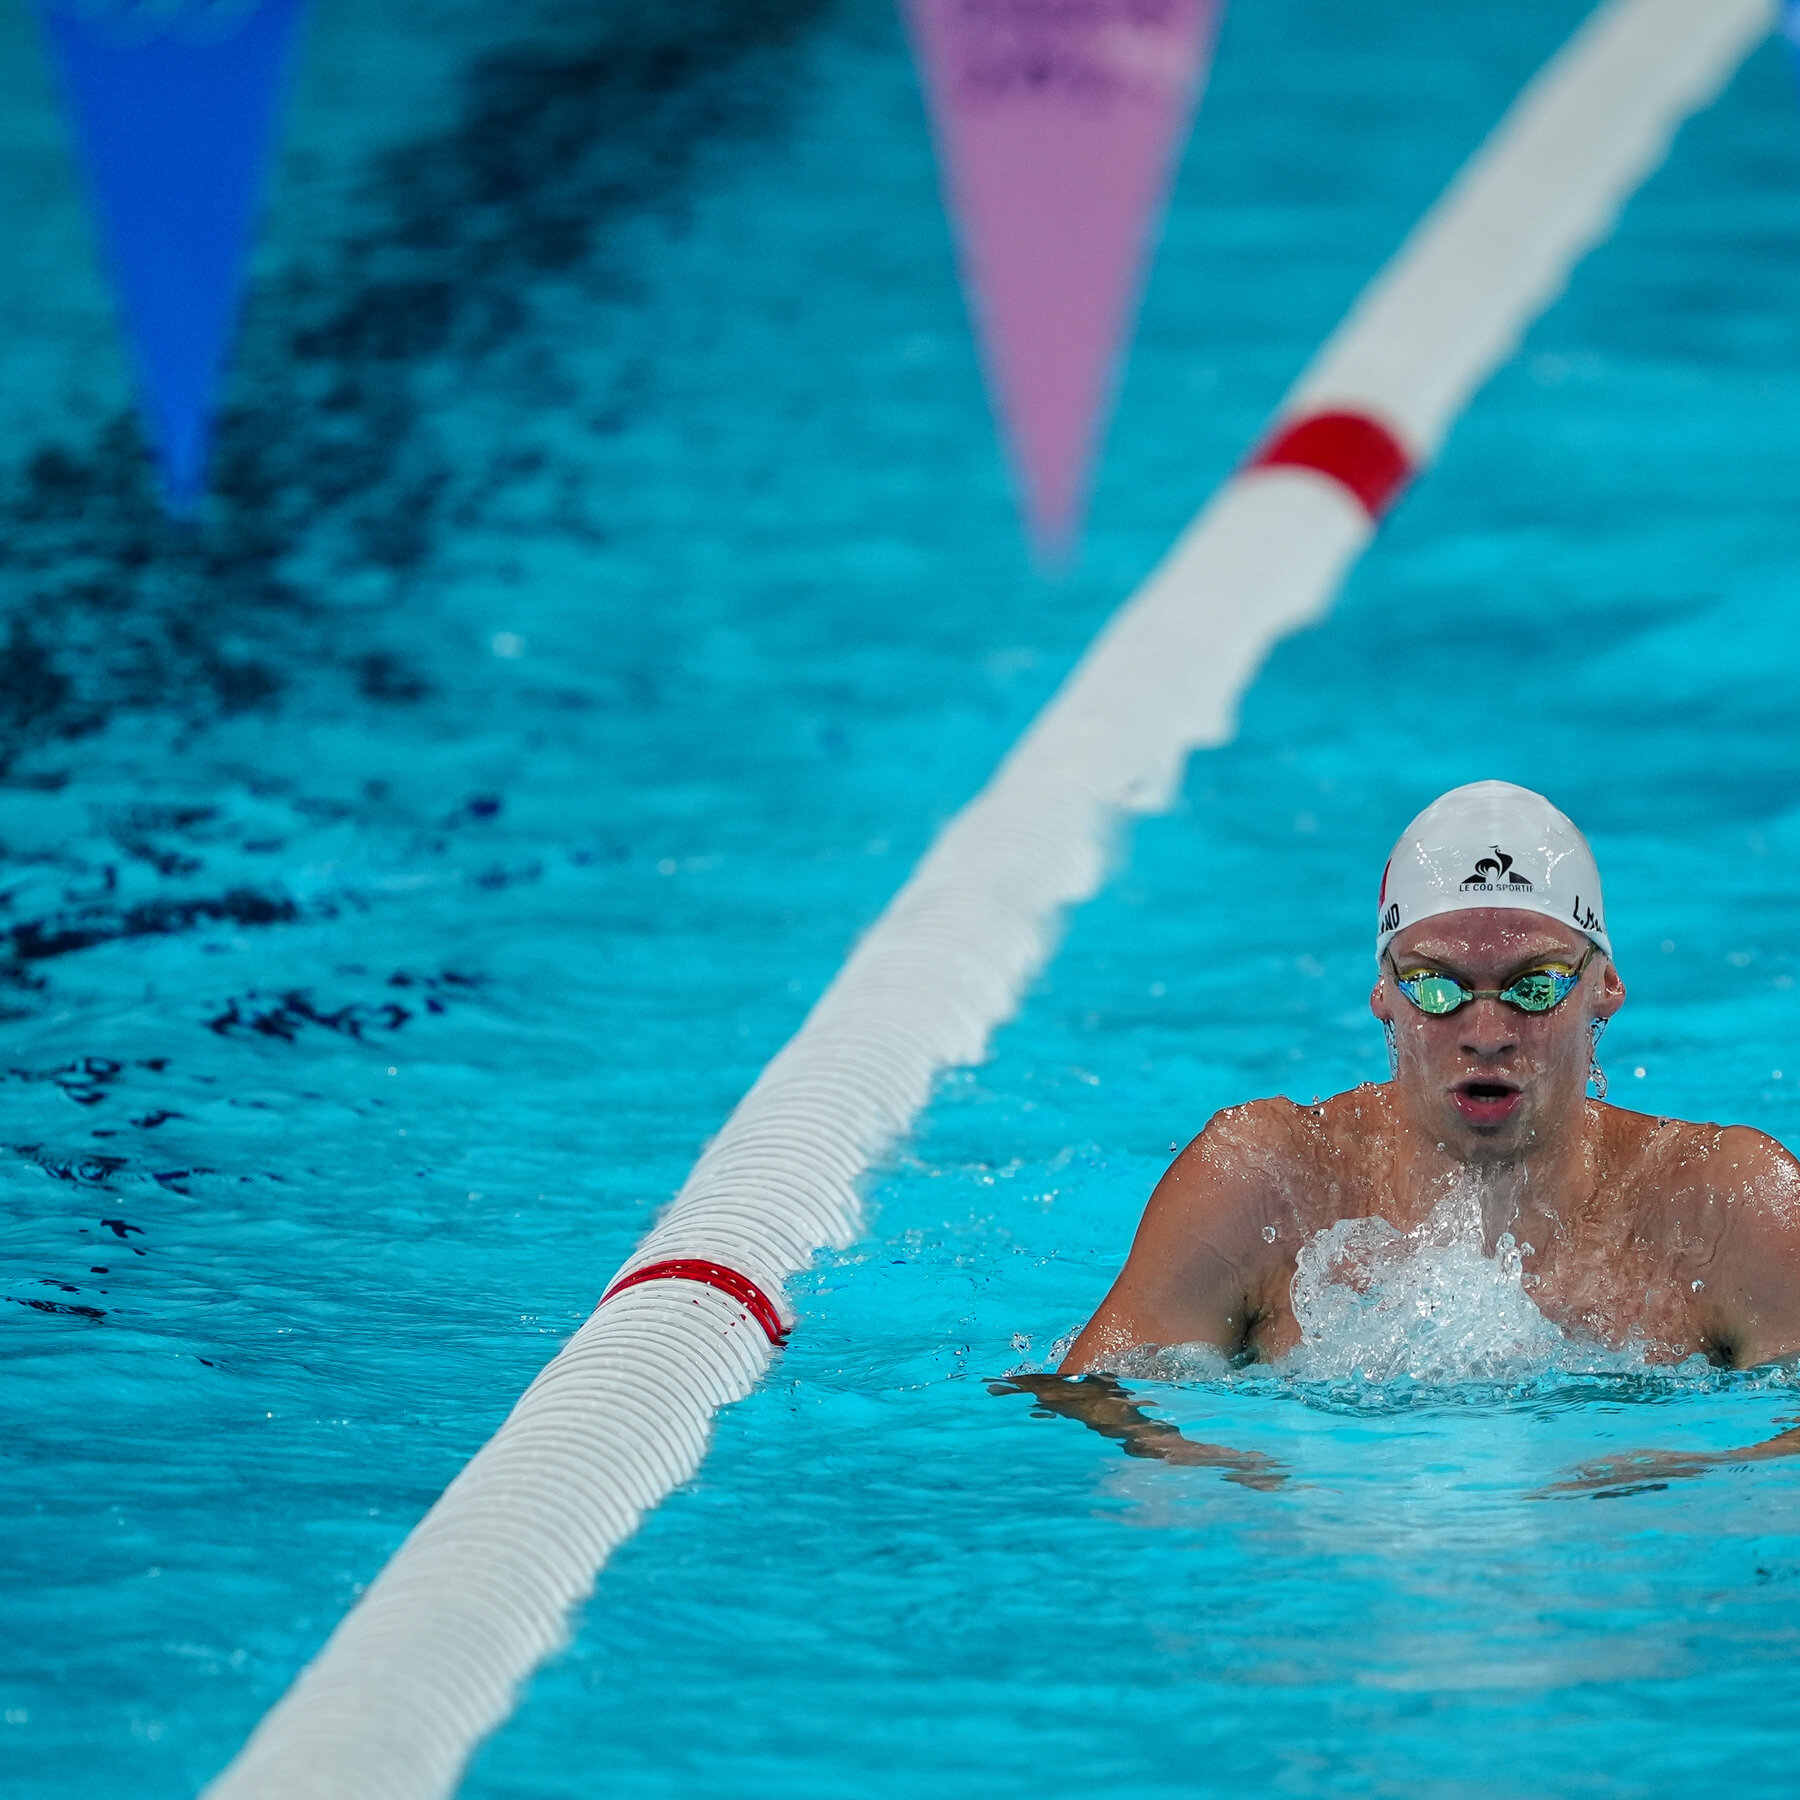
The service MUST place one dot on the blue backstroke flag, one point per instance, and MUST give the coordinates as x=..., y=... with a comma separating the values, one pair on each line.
x=174, y=107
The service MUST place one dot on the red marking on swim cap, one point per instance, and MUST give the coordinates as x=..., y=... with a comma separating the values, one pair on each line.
x=713, y=1275
x=1356, y=451
x=1386, y=870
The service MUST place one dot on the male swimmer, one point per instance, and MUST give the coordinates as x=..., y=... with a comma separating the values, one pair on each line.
x=1495, y=978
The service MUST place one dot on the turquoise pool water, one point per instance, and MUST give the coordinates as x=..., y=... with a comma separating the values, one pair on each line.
x=611, y=586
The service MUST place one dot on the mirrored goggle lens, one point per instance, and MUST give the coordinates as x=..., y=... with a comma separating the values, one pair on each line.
x=1435, y=994
x=1540, y=990
x=1537, y=992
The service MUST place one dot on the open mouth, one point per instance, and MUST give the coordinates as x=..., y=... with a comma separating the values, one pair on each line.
x=1486, y=1102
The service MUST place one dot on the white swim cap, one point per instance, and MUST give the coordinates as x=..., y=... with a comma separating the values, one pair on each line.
x=1491, y=844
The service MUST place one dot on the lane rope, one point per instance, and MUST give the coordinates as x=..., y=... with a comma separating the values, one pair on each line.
x=431, y=1658
x=1356, y=451
x=741, y=1288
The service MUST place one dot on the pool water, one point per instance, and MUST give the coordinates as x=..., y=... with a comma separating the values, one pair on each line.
x=611, y=583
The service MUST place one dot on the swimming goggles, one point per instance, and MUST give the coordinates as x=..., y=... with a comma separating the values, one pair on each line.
x=1538, y=990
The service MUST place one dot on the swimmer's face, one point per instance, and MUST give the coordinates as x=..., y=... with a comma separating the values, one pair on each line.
x=1488, y=1080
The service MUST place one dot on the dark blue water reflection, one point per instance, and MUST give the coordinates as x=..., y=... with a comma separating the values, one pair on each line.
x=609, y=586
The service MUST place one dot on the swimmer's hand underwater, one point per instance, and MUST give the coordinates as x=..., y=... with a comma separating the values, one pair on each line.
x=1634, y=1231
x=1102, y=1404
x=1647, y=1469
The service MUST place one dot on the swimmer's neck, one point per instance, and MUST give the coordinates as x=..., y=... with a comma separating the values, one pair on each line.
x=1536, y=1186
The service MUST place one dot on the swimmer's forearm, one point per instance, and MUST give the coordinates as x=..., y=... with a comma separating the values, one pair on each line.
x=1783, y=1443
x=1103, y=1405
x=1099, y=1402
x=1673, y=1465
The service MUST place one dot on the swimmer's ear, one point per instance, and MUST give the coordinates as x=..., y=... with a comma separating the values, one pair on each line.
x=1609, y=992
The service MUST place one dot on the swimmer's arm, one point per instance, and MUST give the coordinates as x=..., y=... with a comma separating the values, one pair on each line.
x=1756, y=1283
x=1102, y=1404
x=1754, y=1318
x=1197, y=1260
x=1657, y=1467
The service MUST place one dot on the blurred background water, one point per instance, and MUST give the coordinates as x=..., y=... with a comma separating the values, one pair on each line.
x=610, y=584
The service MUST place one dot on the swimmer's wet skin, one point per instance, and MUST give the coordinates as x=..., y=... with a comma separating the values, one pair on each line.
x=1495, y=978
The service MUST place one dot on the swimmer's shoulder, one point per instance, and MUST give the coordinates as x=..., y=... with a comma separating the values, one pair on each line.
x=1756, y=1172
x=1247, y=1133
x=1691, y=1158
x=1288, y=1138
x=1729, y=1196
x=1241, y=1188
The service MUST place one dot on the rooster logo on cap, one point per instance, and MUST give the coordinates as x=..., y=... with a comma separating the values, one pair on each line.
x=1496, y=871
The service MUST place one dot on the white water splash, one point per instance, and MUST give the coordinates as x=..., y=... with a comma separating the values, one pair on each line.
x=1377, y=1305
x=1393, y=1319
x=1390, y=1318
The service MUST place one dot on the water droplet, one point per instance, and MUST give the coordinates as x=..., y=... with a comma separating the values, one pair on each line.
x=1639, y=1073
x=1698, y=1284
x=1268, y=1234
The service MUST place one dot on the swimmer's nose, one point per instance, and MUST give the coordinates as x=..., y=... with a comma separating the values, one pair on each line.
x=1488, y=1030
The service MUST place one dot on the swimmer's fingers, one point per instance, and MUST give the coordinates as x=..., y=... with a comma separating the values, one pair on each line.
x=1674, y=1465
x=1248, y=1468
x=1263, y=1473
x=1641, y=1465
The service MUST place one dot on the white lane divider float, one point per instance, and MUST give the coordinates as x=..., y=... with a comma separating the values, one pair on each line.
x=430, y=1660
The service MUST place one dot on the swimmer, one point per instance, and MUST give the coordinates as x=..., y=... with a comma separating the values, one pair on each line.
x=1494, y=981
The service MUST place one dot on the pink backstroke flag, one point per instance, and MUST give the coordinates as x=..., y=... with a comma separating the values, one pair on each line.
x=1058, y=124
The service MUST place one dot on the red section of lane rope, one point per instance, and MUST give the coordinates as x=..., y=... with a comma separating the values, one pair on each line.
x=1356, y=451
x=713, y=1275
